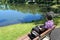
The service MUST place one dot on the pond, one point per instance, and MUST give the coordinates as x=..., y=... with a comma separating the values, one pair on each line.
x=18, y=14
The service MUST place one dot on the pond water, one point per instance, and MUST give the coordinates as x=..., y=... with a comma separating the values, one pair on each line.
x=9, y=15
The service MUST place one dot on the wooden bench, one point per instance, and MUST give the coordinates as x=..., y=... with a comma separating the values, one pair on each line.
x=42, y=36
x=46, y=33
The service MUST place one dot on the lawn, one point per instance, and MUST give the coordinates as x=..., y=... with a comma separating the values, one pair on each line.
x=12, y=32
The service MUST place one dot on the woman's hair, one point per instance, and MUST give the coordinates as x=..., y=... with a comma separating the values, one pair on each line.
x=49, y=17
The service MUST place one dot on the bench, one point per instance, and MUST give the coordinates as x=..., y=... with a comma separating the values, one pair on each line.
x=46, y=33
x=41, y=37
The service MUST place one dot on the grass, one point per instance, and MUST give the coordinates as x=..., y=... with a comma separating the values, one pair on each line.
x=57, y=20
x=12, y=32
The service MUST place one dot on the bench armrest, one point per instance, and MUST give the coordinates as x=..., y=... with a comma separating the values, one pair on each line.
x=47, y=31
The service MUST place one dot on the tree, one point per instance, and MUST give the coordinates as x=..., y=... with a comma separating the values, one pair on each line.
x=16, y=1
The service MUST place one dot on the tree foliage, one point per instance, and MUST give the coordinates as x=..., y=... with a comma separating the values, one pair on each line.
x=16, y=1
x=44, y=5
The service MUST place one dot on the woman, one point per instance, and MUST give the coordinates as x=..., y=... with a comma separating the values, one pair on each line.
x=39, y=29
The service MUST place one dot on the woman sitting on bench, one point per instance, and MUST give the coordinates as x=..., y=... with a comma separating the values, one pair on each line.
x=36, y=31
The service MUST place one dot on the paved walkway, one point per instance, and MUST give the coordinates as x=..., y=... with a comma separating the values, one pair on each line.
x=55, y=35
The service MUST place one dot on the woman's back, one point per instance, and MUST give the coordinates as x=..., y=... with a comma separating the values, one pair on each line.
x=49, y=24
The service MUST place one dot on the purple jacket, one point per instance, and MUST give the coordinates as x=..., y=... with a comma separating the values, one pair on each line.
x=49, y=24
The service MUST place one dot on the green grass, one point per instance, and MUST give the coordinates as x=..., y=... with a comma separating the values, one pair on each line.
x=12, y=32
x=57, y=20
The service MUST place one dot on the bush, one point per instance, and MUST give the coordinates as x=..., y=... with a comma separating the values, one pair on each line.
x=56, y=20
